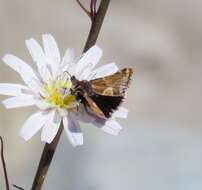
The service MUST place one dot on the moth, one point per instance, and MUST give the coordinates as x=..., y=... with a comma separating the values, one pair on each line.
x=102, y=96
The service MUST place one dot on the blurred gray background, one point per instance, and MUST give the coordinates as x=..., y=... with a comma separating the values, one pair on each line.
x=160, y=147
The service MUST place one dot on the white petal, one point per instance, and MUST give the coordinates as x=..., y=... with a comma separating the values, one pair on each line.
x=51, y=47
x=68, y=58
x=33, y=124
x=62, y=112
x=36, y=52
x=81, y=115
x=11, y=89
x=19, y=101
x=45, y=73
x=25, y=71
x=52, y=52
x=85, y=74
x=103, y=71
x=112, y=127
x=18, y=65
x=51, y=127
x=91, y=57
x=71, y=69
x=43, y=105
x=73, y=131
x=121, y=113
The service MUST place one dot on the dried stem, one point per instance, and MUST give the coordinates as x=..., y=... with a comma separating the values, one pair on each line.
x=84, y=9
x=93, y=8
x=45, y=161
x=49, y=149
x=97, y=24
x=17, y=187
x=4, y=164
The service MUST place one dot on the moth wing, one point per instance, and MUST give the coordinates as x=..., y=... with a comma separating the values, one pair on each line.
x=113, y=85
x=107, y=104
x=96, y=110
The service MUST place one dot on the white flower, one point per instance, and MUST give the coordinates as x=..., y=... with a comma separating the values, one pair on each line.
x=48, y=88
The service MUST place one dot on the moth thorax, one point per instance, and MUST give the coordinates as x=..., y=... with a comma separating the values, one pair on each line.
x=87, y=87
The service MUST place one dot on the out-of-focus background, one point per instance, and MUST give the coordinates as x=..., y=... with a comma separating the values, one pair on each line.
x=160, y=147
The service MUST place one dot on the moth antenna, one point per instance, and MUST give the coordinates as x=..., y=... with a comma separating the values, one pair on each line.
x=67, y=73
x=66, y=76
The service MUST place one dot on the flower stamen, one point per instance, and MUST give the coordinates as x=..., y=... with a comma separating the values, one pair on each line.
x=58, y=94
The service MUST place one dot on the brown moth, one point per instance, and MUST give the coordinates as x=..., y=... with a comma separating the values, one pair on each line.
x=102, y=96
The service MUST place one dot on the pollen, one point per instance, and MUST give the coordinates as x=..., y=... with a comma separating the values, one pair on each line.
x=58, y=94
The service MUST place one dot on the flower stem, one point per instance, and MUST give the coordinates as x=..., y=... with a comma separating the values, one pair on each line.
x=17, y=187
x=83, y=8
x=4, y=164
x=46, y=158
x=49, y=149
x=96, y=24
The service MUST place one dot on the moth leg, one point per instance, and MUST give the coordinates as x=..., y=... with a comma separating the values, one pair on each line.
x=77, y=107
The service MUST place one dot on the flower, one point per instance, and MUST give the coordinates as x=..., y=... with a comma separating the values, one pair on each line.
x=48, y=88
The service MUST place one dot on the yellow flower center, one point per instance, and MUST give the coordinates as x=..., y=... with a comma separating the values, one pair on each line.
x=58, y=94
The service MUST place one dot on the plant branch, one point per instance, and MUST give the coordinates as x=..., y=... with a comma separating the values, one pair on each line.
x=46, y=158
x=96, y=24
x=49, y=149
x=4, y=164
x=93, y=8
x=83, y=8
x=17, y=187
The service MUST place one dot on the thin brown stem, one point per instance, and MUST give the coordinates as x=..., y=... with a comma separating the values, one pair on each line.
x=49, y=149
x=97, y=24
x=18, y=187
x=93, y=8
x=4, y=164
x=46, y=158
x=83, y=8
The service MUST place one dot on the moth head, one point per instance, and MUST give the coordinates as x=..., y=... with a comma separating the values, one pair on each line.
x=74, y=80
